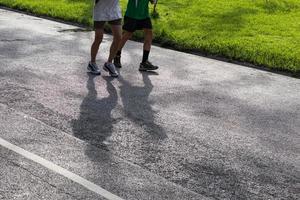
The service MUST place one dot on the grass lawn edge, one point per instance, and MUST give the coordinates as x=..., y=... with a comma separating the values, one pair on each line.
x=160, y=42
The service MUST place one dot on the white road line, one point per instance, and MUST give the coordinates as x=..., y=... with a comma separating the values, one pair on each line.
x=78, y=179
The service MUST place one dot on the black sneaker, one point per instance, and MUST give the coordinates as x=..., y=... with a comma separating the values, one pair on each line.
x=145, y=66
x=117, y=62
x=93, y=68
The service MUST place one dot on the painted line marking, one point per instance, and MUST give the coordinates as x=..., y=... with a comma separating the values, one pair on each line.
x=59, y=170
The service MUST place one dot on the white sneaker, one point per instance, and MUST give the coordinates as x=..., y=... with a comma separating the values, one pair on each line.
x=110, y=67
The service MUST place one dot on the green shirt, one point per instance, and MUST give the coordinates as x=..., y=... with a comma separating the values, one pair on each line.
x=137, y=9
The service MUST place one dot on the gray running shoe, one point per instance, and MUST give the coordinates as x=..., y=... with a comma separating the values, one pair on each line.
x=110, y=67
x=117, y=62
x=93, y=68
x=147, y=66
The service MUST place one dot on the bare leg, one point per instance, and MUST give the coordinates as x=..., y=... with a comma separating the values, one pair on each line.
x=147, y=44
x=145, y=64
x=148, y=39
x=117, y=36
x=96, y=44
x=126, y=36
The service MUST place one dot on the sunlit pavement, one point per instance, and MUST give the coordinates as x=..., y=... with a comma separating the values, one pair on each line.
x=196, y=129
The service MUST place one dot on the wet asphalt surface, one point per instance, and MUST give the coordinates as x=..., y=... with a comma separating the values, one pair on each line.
x=195, y=129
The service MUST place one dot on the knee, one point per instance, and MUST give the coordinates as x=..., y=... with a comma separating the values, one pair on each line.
x=117, y=37
x=98, y=37
x=148, y=40
x=148, y=36
x=127, y=35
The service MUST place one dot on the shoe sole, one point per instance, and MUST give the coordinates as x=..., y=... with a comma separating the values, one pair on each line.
x=143, y=69
x=94, y=73
x=107, y=70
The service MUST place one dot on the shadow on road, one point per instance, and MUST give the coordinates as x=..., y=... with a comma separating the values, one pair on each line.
x=137, y=106
x=138, y=109
x=95, y=122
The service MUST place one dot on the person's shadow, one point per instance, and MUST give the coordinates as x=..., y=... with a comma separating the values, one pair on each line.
x=95, y=122
x=138, y=107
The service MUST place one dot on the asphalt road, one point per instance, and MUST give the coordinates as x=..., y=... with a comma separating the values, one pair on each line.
x=196, y=129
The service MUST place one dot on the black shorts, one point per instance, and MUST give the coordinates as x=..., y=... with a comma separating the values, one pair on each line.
x=100, y=24
x=132, y=25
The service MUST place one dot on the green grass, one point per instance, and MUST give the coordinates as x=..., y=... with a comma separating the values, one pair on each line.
x=262, y=32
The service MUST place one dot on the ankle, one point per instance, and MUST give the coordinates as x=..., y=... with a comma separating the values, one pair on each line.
x=119, y=53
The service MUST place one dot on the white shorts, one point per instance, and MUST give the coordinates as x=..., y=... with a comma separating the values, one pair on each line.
x=107, y=10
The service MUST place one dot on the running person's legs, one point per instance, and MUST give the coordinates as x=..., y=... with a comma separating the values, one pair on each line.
x=125, y=37
x=117, y=38
x=129, y=27
x=96, y=44
x=116, y=29
x=146, y=64
x=117, y=35
x=93, y=67
x=148, y=36
x=106, y=11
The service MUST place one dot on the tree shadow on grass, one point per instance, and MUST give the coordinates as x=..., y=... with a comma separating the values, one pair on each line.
x=272, y=7
x=228, y=23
